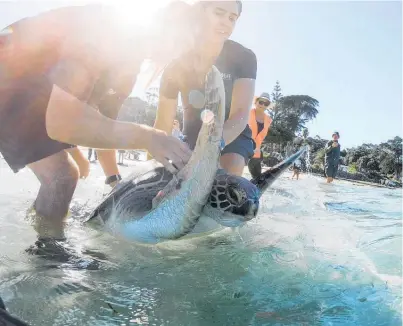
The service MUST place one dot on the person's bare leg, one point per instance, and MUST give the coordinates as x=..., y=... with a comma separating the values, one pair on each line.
x=329, y=180
x=233, y=163
x=58, y=175
x=82, y=162
x=107, y=158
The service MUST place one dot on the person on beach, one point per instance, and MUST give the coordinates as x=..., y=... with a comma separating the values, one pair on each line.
x=296, y=168
x=176, y=131
x=215, y=22
x=90, y=152
x=332, y=157
x=64, y=76
x=259, y=122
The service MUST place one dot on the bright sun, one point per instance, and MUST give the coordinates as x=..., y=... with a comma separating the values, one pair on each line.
x=138, y=12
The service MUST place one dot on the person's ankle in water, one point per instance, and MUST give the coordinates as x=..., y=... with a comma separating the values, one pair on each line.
x=47, y=228
x=51, y=244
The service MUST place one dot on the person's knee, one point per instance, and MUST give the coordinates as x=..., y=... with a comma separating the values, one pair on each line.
x=233, y=163
x=57, y=171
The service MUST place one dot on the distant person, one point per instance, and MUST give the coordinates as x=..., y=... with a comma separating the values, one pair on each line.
x=121, y=156
x=296, y=168
x=332, y=157
x=259, y=123
x=176, y=131
x=90, y=151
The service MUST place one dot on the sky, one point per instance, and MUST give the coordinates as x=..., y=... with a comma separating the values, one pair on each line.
x=347, y=55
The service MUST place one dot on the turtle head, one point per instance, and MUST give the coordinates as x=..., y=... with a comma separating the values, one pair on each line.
x=233, y=200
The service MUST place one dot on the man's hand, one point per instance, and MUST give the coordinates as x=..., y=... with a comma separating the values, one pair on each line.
x=168, y=150
x=335, y=144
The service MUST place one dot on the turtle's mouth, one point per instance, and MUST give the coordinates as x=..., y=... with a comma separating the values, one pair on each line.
x=231, y=220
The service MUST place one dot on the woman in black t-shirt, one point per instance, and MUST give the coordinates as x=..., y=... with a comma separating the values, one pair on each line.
x=237, y=64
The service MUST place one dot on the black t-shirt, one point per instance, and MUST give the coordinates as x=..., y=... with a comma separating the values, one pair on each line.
x=260, y=126
x=234, y=62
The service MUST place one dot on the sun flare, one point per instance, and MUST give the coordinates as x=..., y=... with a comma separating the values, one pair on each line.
x=139, y=13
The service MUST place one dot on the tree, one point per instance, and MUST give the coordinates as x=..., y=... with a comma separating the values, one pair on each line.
x=305, y=133
x=290, y=114
x=276, y=94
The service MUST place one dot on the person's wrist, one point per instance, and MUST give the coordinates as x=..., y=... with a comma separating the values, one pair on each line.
x=142, y=137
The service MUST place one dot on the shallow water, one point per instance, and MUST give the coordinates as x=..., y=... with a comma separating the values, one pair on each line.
x=317, y=254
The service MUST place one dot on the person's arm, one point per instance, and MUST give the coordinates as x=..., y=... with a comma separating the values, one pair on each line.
x=337, y=159
x=329, y=147
x=168, y=102
x=242, y=96
x=70, y=120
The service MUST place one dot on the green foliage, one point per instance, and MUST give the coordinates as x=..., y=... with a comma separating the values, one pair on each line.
x=290, y=114
x=352, y=168
x=319, y=158
x=385, y=158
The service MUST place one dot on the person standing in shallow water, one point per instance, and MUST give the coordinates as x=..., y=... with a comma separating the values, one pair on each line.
x=259, y=123
x=332, y=157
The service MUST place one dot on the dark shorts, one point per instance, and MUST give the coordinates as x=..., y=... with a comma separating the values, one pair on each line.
x=331, y=170
x=23, y=136
x=242, y=145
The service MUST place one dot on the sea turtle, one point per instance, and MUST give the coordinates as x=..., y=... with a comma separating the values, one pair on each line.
x=151, y=205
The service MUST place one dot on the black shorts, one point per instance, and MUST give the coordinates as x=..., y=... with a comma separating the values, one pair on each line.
x=331, y=170
x=23, y=136
x=242, y=145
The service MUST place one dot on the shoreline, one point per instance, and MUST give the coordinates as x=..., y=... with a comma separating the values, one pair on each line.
x=359, y=182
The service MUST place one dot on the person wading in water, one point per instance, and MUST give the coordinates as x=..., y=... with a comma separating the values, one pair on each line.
x=332, y=157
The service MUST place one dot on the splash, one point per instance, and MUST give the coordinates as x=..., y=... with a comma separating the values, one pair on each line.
x=308, y=160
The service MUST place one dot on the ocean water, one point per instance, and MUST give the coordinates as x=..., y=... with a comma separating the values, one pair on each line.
x=317, y=254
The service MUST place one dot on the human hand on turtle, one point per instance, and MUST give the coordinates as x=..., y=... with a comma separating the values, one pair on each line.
x=169, y=150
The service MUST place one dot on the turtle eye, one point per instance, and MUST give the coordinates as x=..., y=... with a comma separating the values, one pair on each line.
x=234, y=196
